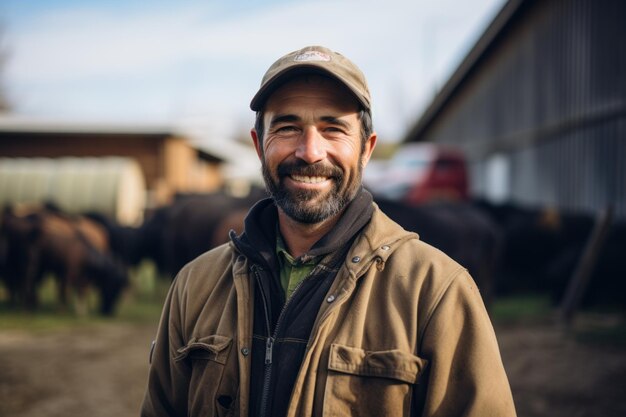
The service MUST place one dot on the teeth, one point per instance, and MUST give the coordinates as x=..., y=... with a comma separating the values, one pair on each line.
x=308, y=180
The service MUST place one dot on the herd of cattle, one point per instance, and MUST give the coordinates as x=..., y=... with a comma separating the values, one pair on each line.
x=507, y=248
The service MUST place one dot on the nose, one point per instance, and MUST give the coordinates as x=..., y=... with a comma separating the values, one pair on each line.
x=311, y=146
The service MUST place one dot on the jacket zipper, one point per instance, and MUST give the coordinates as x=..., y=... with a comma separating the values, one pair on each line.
x=271, y=337
x=268, y=344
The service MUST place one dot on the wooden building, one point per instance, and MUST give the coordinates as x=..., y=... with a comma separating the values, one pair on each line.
x=539, y=106
x=167, y=161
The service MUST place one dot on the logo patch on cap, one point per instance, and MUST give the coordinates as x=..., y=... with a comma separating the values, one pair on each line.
x=312, y=56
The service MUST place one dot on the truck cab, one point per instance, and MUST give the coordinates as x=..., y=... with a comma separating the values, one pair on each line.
x=423, y=172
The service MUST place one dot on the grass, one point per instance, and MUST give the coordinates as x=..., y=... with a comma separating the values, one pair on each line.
x=614, y=335
x=141, y=303
x=520, y=308
x=600, y=325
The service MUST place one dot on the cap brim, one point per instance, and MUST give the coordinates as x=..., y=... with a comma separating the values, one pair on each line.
x=286, y=74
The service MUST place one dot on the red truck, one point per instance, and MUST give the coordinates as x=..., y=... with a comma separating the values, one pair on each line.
x=424, y=172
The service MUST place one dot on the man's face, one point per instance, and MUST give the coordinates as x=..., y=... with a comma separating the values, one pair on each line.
x=311, y=152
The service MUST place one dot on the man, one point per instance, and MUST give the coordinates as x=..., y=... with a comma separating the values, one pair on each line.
x=323, y=306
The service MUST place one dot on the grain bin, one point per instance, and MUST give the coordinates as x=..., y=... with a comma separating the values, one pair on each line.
x=113, y=186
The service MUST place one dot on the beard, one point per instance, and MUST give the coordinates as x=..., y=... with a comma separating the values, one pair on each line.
x=311, y=206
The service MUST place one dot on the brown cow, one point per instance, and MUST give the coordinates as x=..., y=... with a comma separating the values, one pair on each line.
x=75, y=250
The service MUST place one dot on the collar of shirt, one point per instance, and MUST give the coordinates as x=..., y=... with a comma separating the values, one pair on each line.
x=292, y=270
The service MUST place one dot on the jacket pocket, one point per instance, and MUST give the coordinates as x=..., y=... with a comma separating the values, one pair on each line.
x=214, y=348
x=370, y=383
x=212, y=388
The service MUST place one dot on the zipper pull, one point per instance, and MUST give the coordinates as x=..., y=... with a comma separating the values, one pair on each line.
x=268, y=350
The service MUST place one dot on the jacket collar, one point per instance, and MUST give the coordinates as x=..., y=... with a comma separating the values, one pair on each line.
x=379, y=239
x=258, y=241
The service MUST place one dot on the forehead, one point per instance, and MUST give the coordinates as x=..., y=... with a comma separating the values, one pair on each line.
x=312, y=91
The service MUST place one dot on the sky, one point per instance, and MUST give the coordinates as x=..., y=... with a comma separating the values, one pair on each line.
x=198, y=63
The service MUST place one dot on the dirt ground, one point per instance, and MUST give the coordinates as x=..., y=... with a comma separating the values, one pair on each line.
x=101, y=371
x=556, y=373
x=96, y=371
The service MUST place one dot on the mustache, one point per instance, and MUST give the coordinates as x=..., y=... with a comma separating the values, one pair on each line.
x=318, y=169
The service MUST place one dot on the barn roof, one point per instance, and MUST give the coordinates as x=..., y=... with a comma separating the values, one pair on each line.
x=17, y=124
x=11, y=125
x=495, y=31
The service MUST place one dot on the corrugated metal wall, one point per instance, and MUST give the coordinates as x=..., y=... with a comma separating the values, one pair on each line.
x=549, y=98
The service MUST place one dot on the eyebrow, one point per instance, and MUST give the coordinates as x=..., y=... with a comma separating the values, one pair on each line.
x=335, y=121
x=284, y=118
x=288, y=118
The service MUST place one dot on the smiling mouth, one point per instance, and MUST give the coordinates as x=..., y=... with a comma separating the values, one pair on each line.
x=308, y=179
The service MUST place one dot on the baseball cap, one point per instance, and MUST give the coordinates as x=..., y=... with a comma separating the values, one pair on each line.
x=313, y=60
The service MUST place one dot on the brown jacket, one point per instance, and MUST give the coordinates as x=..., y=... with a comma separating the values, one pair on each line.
x=403, y=332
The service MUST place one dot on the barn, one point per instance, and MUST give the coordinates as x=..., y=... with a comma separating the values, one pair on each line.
x=117, y=169
x=538, y=105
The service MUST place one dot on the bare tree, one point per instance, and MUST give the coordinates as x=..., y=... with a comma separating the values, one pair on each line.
x=4, y=101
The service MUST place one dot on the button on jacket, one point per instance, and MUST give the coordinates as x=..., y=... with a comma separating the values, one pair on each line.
x=402, y=331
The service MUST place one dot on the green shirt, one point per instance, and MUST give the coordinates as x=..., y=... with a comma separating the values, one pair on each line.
x=292, y=271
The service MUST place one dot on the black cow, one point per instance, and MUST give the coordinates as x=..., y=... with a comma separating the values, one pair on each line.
x=543, y=247
x=17, y=231
x=175, y=234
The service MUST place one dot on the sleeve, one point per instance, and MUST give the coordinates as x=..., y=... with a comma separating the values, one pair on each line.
x=168, y=379
x=466, y=376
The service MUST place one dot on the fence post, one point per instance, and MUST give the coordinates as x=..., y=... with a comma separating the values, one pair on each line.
x=582, y=274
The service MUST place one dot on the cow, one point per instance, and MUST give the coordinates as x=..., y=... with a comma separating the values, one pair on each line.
x=17, y=230
x=175, y=234
x=74, y=249
x=197, y=223
x=542, y=249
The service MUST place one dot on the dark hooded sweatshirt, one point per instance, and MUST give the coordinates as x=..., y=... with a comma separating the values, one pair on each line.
x=282, y=328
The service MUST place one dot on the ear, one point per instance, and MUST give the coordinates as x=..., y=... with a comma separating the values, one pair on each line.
x=257, y=143
x=370, y=144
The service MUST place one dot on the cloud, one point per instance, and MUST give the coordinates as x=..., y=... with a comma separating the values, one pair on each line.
x=203, y=58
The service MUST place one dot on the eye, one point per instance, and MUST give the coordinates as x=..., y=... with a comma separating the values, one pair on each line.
x=334, y=129
x=286, y=129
